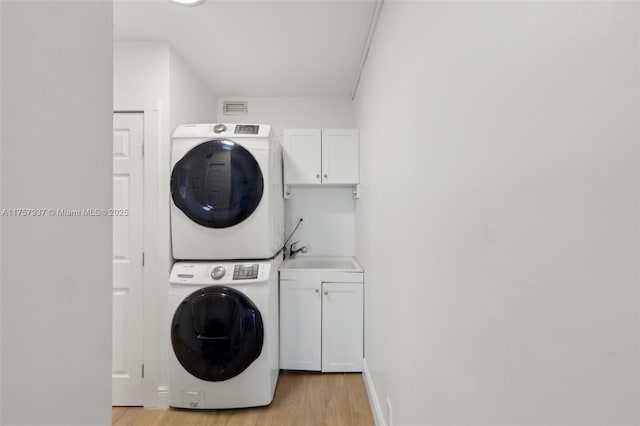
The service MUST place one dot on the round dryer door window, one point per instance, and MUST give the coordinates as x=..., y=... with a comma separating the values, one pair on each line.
x=217, y=184
x=216, y=333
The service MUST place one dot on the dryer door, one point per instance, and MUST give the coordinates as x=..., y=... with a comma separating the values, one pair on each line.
x=216, y=333
x=217, y=184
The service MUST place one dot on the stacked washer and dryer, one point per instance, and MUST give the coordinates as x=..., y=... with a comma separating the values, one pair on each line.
x=227, y=225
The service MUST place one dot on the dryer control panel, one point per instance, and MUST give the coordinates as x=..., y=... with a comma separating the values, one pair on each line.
x=230, y=130
x=246, y=129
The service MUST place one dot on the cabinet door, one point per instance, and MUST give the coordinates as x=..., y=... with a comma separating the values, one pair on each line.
x=302, y=157
x=300, y=322
x=342, y=327
x=340, y=156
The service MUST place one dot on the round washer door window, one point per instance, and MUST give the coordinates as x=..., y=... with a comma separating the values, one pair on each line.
x=217, y=184
x=216, y=333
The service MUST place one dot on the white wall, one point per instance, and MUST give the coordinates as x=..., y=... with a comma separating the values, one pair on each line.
x=141, y=83
x=0, y=222
x=290, y=112
x=328, y=228
x=328, y=213
x=56, y=271
x=498, y=224
x=141, y=76
x=191, y=100
x=150, y=76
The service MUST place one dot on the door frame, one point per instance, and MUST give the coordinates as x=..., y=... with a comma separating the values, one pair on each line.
x=151, y=291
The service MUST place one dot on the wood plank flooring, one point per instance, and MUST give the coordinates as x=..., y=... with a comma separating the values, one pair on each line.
x=301, y=399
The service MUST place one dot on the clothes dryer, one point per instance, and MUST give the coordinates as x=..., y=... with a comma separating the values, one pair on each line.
x=226, y=192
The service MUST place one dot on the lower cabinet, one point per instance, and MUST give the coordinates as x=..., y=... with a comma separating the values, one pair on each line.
x=300, y=325
x=321, y=326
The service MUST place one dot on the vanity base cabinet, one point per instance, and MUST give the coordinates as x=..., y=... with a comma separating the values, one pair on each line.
x=300, y=325
x=342, y=327
x=321, y=326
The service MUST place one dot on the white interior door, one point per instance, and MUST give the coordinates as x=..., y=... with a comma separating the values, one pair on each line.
x=127, y=371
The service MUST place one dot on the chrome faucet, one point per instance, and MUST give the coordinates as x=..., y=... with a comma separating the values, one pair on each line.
x=293, y=251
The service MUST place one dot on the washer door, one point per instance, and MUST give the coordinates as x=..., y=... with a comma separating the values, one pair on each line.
x=217, y=184
x=216, y=333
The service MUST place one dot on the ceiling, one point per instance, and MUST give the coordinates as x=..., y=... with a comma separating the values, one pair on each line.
x=258, y=48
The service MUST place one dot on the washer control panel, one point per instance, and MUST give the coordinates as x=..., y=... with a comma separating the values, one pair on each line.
x=247, y=271
x=219, y=273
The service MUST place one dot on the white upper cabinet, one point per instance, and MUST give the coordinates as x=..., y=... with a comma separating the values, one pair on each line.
x=321, y=157
x=302, y=160
x=340, y=156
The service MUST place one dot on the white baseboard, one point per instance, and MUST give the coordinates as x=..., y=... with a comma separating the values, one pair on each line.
x=376, y=409
x=163, y=396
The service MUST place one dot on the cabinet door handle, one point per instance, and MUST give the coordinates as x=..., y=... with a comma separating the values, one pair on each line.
x=317, y=176
x=326, y=293
x=326, y=176
x=317, y=291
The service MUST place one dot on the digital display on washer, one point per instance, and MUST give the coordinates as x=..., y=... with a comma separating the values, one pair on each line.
x=243, y=129
x=245, y=272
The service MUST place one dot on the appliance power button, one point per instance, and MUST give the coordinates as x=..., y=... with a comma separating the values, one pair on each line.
x=218, y=272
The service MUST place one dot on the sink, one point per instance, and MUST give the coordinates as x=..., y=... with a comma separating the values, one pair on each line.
x=333, y=263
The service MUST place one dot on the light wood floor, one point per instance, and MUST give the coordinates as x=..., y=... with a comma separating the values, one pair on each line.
x=301, y=399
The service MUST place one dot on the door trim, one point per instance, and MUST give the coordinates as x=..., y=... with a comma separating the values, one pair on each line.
x=128, y=271
x=151, y=391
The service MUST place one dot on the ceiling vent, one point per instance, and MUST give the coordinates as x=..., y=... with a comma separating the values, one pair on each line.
x=234, y=108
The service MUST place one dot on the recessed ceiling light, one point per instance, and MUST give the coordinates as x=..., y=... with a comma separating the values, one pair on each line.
x=188, y=2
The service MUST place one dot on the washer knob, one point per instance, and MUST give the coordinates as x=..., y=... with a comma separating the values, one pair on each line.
x=219, y=128
x=218, y=272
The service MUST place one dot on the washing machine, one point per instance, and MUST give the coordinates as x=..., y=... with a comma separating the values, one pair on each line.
x=224, y=334
x=226, y=192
